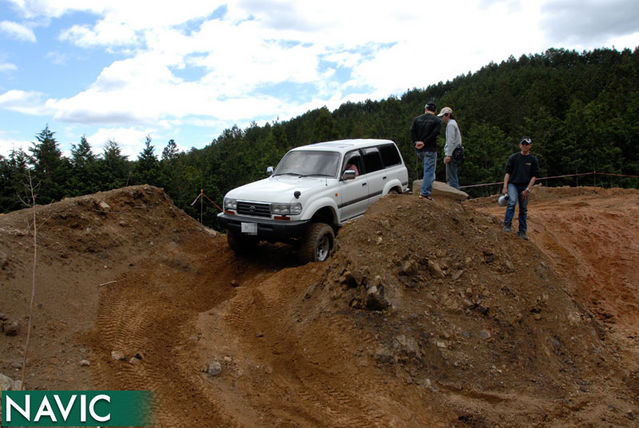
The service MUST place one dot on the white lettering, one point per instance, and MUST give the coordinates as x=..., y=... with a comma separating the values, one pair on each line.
x=65, y=411
x=26, y=412
x=83, y=408
x=45, y=410
x=92, y=408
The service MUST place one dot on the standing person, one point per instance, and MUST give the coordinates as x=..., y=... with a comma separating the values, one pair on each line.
x=424, y=132
x=522, y=169
x=453, y=140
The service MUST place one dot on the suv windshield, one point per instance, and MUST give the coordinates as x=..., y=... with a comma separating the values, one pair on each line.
x=306, y=163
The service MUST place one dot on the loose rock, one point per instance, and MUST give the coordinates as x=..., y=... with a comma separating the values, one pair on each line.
x=118, y=355
x=12, y=328
x=435, y=269
x=214, y=368
x=375, y=298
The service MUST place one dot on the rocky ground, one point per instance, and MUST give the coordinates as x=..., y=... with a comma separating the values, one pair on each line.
x=427, y=314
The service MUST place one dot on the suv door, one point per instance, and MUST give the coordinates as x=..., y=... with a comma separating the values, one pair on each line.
x=375, y=174
x=353, y=194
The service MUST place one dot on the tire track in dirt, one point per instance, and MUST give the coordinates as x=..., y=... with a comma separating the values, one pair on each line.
x=310, y=351
x=151, y=313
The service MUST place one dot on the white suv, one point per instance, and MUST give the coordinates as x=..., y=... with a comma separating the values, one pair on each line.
x=311, y=193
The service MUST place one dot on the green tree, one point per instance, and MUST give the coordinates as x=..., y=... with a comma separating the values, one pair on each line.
x=84, y=172
x=113, y=169
x=50, y=169
x=171, y=151
x=14, y=181
x=325, y=128
x=147, y=166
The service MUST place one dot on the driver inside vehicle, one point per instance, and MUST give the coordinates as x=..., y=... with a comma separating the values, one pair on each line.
x=353, y=167
x=351, y=164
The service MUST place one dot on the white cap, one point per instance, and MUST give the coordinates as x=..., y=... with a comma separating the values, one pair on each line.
x=445, y=110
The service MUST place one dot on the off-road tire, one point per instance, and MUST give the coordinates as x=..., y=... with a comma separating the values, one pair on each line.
x=241, y=244
x=317, y=244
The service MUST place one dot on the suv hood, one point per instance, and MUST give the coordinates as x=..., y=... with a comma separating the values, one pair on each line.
x=279, y=188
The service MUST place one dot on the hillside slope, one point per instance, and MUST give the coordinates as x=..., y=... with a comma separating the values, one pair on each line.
x=426, y=315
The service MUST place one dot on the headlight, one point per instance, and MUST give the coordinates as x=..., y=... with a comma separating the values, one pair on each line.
x=286, y=209
x=296, y=208
x=230, y=204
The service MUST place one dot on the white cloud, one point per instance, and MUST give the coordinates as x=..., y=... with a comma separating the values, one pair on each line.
x=129, y=139
x=587, y=21
x=627, y=40
x=257, y=59
x=6, y=66
x=18, y=31
x=9, y=143
x=104, y=33
x=27, y=102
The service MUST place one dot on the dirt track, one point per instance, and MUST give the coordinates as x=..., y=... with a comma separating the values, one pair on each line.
x=427, y=314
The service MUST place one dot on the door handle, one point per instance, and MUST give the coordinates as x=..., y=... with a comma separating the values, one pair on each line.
x=384, y=178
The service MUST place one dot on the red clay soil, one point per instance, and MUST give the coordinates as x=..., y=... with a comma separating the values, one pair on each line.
x=427, y=314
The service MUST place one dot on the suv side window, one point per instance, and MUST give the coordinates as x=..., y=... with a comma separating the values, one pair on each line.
x=354, y=161
x=390, y=155
x=372, y=160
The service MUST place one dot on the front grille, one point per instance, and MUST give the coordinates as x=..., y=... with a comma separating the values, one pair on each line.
x=254, y=209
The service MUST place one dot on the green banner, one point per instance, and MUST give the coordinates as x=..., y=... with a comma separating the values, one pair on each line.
x=75, y=408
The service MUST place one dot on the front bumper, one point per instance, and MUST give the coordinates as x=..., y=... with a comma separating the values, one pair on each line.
x=267, y=229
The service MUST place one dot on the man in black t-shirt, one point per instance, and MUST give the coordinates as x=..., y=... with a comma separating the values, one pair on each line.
x=522, y=169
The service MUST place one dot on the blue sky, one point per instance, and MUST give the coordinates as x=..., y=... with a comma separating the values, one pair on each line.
x=121, y=69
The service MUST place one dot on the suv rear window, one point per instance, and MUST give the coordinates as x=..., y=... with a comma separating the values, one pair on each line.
x=390, y=155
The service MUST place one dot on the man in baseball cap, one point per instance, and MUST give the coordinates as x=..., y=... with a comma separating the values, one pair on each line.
x=522, y=170
x=453, y=140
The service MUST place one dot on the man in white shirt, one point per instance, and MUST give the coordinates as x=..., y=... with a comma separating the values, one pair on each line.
x=453, y=140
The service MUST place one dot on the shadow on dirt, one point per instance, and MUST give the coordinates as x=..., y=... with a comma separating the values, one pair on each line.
x=275, y=256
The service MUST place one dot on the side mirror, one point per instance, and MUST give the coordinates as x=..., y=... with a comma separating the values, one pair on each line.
x=269, y=171
x=349, y=174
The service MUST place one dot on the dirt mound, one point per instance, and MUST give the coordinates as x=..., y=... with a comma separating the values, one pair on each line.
x=591, y=236
x=83, y=245
x=427, y=315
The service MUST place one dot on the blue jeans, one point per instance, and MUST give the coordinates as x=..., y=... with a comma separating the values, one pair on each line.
x=451, y=174
x=430, y=162
x=514, y=196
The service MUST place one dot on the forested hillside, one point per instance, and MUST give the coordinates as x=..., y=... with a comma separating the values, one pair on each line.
x=581, y=109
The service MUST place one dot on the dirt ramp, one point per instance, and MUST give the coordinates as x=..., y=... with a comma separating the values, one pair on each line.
x=477, y=314
x=591, y=237
x=292, y=358
x=84, y=245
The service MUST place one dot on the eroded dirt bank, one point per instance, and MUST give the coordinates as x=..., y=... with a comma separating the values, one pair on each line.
x=427, y=314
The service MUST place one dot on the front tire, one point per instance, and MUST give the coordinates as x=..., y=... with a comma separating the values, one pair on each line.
x=318, y=243
x=240, y=243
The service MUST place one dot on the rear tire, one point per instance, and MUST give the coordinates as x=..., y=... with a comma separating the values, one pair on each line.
x=241, y=244
x=318, y=243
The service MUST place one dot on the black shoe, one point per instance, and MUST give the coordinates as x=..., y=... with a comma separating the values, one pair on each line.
x=522, y=235
x=507, y=228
